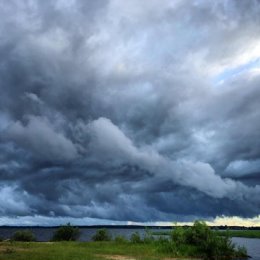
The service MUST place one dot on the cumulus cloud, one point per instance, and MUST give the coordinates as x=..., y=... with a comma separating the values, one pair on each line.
x=130, y=112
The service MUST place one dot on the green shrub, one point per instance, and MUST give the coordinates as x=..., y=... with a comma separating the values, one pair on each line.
x=198, y=233
x=120, y=239
x=178, y=235
x=199, y=240
x=102, y=235
x=66, y=233
x=208, y=243
x=135, y=238
x=24, y=236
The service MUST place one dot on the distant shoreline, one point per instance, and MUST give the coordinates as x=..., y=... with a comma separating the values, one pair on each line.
x=240, y=228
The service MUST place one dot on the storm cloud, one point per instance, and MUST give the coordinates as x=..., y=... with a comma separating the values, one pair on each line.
x=129, y=110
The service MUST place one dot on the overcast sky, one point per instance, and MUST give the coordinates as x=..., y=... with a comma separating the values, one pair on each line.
x=122, y=111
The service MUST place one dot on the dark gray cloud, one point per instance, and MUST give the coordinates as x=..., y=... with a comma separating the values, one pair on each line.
x=129, y=111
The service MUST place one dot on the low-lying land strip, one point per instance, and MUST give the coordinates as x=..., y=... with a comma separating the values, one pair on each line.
x=241, y=233
x=231, y=233
x=80, y=251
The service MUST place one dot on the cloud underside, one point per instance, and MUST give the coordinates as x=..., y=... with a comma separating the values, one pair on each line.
x=129, y=111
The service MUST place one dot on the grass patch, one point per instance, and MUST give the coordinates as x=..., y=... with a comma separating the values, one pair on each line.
x=80, y=251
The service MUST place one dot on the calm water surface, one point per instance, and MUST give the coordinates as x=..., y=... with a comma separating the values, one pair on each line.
x=45, y=234
x=252, y=245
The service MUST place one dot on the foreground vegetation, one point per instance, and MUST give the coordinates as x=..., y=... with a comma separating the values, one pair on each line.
x=78, y=251
x=198, y=241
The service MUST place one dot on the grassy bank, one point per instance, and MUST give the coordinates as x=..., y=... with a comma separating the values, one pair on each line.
x=80, y=251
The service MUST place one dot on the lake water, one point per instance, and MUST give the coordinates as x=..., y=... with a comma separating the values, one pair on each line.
x=45, y=234
x=252, y=245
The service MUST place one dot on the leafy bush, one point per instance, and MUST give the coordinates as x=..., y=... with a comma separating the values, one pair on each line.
x=66, y=233
x=199, y=240
x=212, y=245
x=198, y=233
x=178, y=235
x=120, y=239
x=24, y=236
x=208, y=244
x=135, y=238
x=102, y=235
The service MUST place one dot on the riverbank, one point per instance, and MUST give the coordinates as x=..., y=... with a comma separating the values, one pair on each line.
x=81, y=251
